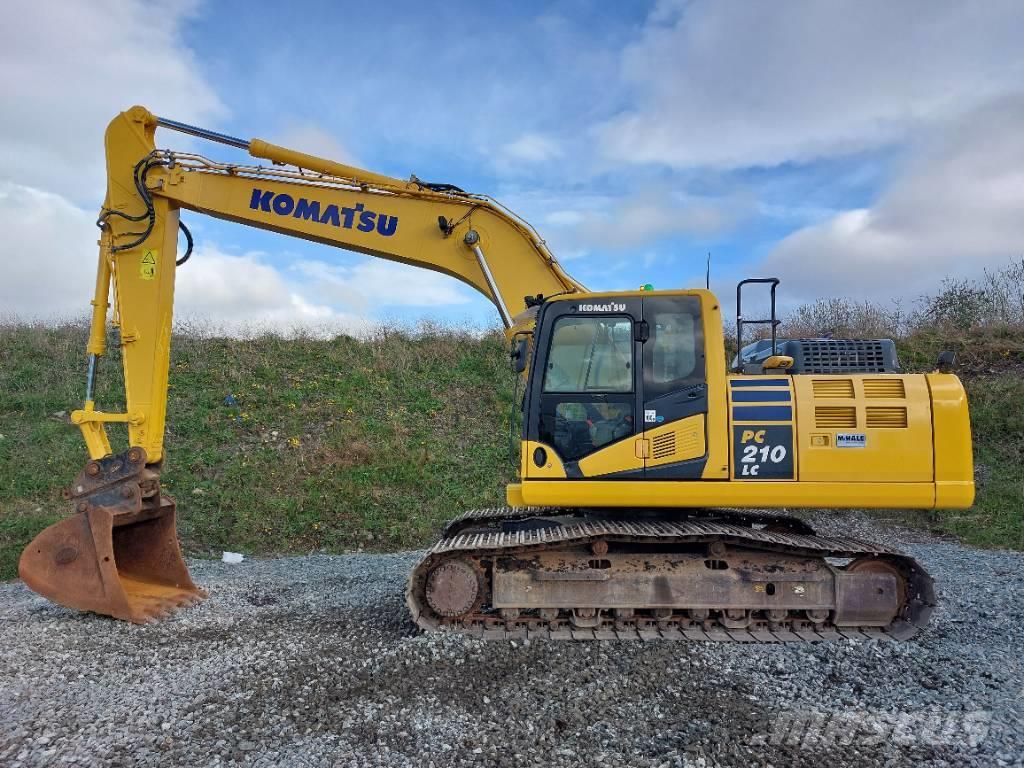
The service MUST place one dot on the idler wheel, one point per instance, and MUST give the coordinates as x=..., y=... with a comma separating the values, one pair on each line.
x=453, y=588
x=879, y=565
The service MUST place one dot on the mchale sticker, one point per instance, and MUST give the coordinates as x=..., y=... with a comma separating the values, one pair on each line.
x=851, y=440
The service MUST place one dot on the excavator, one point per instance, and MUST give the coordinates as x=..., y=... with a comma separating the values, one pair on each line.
x=654, y=479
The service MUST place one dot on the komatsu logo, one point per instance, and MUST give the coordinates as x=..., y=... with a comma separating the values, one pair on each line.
x=359, y=216
x=610, y=307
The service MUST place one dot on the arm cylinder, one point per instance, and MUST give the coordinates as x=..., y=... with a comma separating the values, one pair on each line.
x=98, y=325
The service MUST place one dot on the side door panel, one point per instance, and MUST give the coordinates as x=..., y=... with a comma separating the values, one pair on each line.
x=583, y=399
x=675, y=388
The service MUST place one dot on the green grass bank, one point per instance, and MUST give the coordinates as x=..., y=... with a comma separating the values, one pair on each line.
x=346, y=444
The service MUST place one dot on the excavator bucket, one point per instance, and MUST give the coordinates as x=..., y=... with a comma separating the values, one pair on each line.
x=118, y=556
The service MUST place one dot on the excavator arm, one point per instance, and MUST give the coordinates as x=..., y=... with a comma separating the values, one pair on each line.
x=119, y=555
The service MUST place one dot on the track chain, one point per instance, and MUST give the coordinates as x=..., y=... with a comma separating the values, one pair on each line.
x=478, y=534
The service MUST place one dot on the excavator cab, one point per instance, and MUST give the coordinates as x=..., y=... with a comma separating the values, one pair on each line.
x=620, y=388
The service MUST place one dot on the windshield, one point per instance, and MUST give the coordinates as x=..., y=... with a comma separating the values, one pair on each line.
x=590, y=354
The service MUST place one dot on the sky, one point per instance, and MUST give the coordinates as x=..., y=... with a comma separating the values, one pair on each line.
x=861, y=149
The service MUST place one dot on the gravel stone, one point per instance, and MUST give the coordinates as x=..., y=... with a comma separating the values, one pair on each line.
x=312, y=661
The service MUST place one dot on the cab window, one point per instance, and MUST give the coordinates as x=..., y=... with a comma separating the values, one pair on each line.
x=578, y=428
x=674, y=347
x=590, y=354
x=674, y=353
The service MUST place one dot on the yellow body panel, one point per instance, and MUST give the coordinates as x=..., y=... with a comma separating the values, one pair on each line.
x=891, y=411
x=552, y=469
x=717, y=431
x=621, y=456
x=900, y=418
x=954, y=460
x=728, y=493
x=688, y=438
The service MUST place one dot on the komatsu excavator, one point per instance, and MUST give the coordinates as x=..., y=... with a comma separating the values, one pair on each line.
x=639, y=448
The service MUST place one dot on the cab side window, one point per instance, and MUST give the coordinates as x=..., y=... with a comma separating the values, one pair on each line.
x=674, y=353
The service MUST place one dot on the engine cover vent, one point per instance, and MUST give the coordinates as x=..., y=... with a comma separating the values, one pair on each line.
x=885, y=417
x=835, y=417
x=825, y=355
x=833, y=388
x=880, y=388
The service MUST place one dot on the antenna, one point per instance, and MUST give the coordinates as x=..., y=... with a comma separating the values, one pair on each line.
x=707, y=273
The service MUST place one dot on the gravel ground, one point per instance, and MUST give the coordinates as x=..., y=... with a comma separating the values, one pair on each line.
x=311, y=661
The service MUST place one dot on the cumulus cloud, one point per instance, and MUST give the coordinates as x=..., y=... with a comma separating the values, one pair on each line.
x=373, y=284
x=69, y=67
x=637, y=219
x=735, y=84
x=242, y=295
x=955, y=210
x=62, y=61
x=531, y=148
x=65, y=56
x=48, y=254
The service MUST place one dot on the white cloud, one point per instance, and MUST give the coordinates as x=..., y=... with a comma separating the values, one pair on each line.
x=638, y=219
x=69, y=67
x=374, y=284
x=955, y=210
x=737, y=84
x=243, y=295
x=48, y=255
x=531, y=148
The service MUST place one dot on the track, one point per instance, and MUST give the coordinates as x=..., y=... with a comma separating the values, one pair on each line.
x=488, y=537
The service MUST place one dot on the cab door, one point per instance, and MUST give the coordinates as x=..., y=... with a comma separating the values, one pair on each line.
x=674, y=387
x=586, y=392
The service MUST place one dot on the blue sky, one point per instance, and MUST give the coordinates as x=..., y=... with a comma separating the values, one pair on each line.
x=862, y=149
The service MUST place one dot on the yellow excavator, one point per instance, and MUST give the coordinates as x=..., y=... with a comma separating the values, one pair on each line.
x=647, y=466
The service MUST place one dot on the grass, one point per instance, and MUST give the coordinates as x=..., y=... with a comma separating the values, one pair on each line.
x=324, y=445
x=372, y=444
x=997, y=420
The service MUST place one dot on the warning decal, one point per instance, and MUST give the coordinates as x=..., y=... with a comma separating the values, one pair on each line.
x=147, y=268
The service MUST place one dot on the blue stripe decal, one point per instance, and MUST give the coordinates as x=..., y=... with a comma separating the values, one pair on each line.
x=769, y=396
x=762, y=413
x=756, y=381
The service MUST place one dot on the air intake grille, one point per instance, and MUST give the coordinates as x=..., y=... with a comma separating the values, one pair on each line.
x=881, y=417
x=833, y=388
x=663, y=445
x=842, y=356
x=884, y=388
x=835, y=417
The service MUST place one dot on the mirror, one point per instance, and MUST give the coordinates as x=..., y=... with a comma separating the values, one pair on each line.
x=520, y=349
